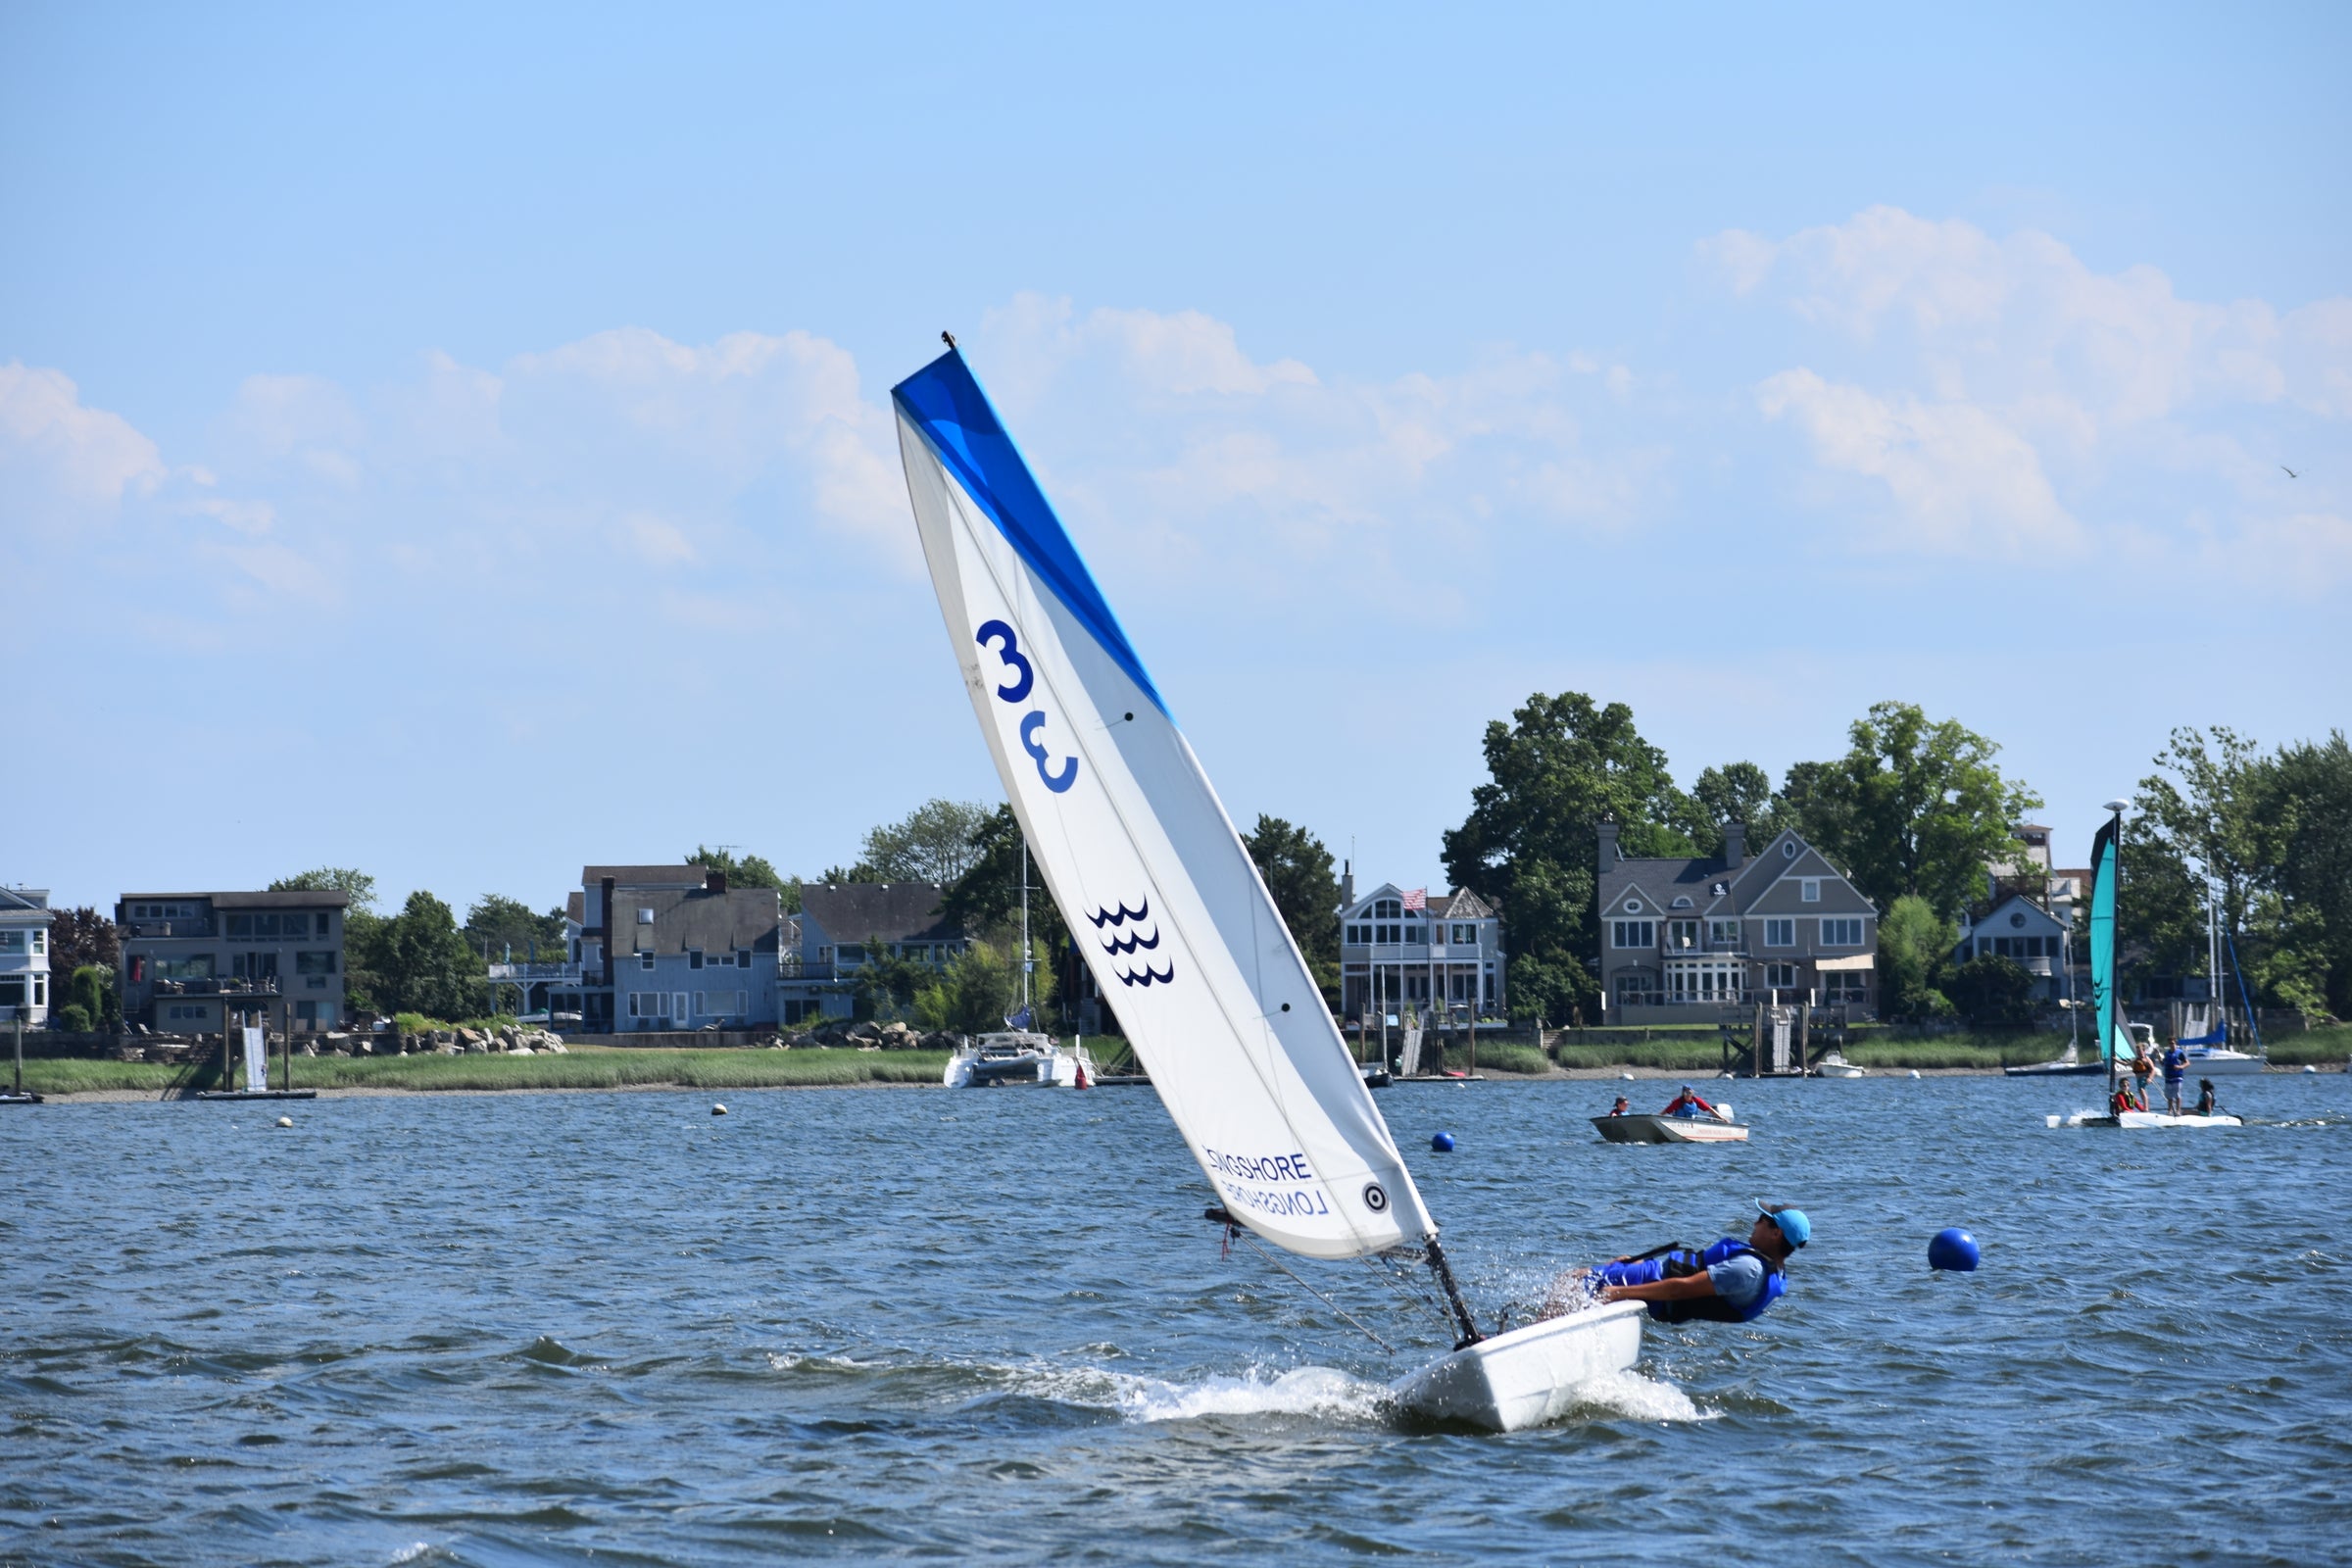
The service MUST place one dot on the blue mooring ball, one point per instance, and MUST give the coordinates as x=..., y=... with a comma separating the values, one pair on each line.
x=1442, y=1142
x=1954, y=1249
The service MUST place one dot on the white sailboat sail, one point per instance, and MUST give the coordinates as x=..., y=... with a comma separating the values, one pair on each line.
x=1161, y=895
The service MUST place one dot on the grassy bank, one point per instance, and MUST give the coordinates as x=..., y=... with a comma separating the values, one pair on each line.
x=582, y=1067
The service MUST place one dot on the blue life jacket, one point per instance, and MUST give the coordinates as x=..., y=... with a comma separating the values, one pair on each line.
x=1676, y=1262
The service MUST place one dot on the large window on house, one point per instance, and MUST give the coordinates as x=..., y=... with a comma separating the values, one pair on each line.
x=195, y=966
x=315, y=963
x=1637, y=990
x=1780, y=976
x=1388, y=909
x=12, y=942
x=1682, y=934
x=1780, y=933
x=719, y=1004
x=1723, y=933
x=1634, y=933
x=1844, y=986
x=1842, y=933
x=1464, y=934
x=648, y=1004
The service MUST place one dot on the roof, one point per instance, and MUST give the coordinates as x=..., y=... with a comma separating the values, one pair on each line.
x=575, y=906
x=287, y=899
x=1459, y=904
x=1670, y=879
x=696, y=917
x=688, y=874
x=18, y=900
x=883, y=911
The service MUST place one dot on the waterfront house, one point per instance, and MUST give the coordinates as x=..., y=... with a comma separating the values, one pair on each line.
x=663, y=947
x=1441, y=956
x=2018, y=926
x=25, y=917
x=186, y=956
x=1684, y=936
x=843, y=927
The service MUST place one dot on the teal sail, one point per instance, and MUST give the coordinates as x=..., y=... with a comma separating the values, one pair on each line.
x=2102, y=942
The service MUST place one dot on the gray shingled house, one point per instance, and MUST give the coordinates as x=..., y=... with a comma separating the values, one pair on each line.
x=842, y=924
x=1681, y=937
x=674, y=947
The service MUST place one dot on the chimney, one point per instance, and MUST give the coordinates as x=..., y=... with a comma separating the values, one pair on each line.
x=715, y=881
x=1735, y=845
x=1608, y=845
x=611, y=930
x=1346, y=885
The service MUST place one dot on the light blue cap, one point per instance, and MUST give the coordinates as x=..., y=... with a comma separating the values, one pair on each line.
x=1792, y=1221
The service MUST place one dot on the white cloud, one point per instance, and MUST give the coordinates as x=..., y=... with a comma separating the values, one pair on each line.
x=2006, y=396
x=1962, y=481
x=58, y=451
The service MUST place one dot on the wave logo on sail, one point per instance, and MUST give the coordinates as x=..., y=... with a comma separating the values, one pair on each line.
x=1126, y=937
x=1024, y=679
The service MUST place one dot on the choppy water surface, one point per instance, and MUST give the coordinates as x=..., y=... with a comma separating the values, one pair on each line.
x=563, y=1328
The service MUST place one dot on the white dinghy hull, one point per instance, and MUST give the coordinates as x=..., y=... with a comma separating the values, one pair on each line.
x=1529, y=1376
x=1668, y=1130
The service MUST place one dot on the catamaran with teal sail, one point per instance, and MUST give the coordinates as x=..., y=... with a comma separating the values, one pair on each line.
x=2115, y=1039
x=1171, y=915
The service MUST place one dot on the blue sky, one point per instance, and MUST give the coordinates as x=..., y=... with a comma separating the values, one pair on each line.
x=457, y=444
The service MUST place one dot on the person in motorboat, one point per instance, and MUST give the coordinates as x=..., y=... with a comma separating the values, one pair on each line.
x=1730, y=1282
x=2176, y=1070
x=1688, y=1103
x=1623, y=1106
x=2205, y=1102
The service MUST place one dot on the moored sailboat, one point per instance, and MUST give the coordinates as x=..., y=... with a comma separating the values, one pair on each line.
x=1171, y=915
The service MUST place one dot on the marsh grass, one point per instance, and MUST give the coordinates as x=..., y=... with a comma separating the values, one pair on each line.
x=581, y=1067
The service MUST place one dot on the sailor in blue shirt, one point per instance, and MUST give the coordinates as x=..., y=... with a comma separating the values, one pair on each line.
x=1730, y=1282
x=2176, y=1068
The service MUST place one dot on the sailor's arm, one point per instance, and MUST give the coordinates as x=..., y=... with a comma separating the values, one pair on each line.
x=1674, y=1290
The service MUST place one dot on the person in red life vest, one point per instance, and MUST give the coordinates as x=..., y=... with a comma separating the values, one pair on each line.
x=1688, y=1103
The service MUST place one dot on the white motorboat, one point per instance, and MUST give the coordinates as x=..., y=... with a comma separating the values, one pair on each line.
x=2218, y=1062
x=1018, y=1057
x=1663, y=1129
x=1527, y=1376
x=1833, y=1064
x=1171, y=916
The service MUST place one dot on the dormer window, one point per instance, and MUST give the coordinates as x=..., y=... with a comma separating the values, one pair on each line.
x=1683, y=902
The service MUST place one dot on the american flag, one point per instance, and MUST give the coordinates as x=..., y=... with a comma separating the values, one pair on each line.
x=1416, y=901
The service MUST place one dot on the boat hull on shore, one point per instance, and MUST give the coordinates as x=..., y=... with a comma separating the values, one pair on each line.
x=1527, y=1376
x=1669, y=1130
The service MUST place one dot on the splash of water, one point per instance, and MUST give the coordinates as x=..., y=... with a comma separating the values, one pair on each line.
x=1630, y=1394
x=1314, y=1390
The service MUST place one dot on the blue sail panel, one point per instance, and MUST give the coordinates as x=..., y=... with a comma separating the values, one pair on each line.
x=944, y=401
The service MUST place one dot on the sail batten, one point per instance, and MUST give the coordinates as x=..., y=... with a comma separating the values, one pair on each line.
x=1164, y=902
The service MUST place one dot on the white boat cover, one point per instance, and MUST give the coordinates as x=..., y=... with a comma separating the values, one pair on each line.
x=1168, y=907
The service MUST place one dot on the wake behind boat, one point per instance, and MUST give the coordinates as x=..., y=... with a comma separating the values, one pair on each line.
x=1170, y=913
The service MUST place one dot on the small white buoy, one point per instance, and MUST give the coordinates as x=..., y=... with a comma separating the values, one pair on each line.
x=718, y=1111
x=1915, y=1073
x=286, y=1121
x=2308, y=1068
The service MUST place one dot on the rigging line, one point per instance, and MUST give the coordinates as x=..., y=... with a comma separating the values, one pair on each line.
x=1406, y=1292
x=1259, y=1248
x=1016, y=599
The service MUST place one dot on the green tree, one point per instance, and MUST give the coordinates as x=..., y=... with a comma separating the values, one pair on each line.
x=1562, y=766
x=497, y=923
x=1921, y=808
x=1737, y=792
x=987, y=898
x=1993, y=993
x=971, y=995
x=358, y=885
x=1809, y=804
x=2308, y=811
x=1297, y=872
x=426, y=966
x=91, y=988
x=751, y=871
x=933, y=843
x=82, y=936
x=1915, y=946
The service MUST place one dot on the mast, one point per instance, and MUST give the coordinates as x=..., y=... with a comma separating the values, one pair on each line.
x=1025, y=928
x=2112, y=874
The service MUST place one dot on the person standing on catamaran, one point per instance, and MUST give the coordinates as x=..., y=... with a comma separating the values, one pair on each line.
x=2176, y=1070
